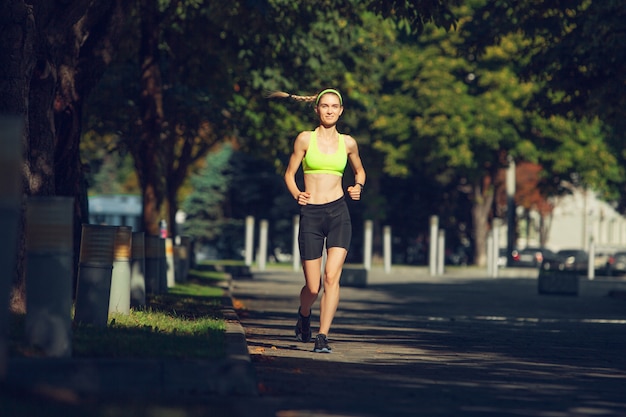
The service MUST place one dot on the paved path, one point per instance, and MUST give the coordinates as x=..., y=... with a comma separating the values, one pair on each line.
x=458, y=345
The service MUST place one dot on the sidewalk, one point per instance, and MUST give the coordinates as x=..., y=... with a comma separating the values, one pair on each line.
x=406, y=344
x=458, y=345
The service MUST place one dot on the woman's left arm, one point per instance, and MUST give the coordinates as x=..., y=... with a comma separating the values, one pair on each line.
x=357, y=167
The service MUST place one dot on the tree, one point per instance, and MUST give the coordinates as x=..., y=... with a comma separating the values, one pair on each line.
x=203, y=64
x=575, y=54
x=448, y=118
x=458, y=119
x=575, y=49
x=53, y=53
x=204, y=206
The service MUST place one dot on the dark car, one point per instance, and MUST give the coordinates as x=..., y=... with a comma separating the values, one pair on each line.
x=530, y=257
x=603, y=260
x=616, y=264
x=574, y=259
x=458, y=256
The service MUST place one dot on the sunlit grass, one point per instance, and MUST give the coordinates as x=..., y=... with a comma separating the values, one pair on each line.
x=185, y=322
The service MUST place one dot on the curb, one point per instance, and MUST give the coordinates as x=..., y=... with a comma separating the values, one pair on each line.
x=133, y=378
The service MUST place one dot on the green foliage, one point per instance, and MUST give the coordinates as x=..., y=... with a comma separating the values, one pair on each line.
x=231, y=186
x=203, y=207
x=413, y=16
x=577, y=153
x=431, y=111
x=438, y=111
x=574, y=49
x=110, y=169
x=571, y=54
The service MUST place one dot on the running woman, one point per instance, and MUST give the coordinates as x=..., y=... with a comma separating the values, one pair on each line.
x=323, y=154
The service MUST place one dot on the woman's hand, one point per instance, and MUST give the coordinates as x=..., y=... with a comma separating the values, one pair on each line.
x=355, y=191
x=303, y=198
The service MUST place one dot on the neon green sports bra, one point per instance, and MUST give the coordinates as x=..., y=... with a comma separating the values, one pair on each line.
x=316, y=162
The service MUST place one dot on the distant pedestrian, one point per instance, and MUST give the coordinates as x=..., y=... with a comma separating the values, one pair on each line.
x=324, y=216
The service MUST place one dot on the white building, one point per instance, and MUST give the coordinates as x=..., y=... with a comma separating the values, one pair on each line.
x=116, y=210
x=581, y=218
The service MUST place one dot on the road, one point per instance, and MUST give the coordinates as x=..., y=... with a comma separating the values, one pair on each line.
x=408, y=344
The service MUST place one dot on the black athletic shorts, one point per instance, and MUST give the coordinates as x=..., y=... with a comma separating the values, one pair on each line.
x=319, y=221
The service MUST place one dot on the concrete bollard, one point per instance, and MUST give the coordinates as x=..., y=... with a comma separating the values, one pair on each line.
x=185, y=242
x=138, y=271
x=94, y=275
x=10, y=200
x=169, y=261
x=153, y=264
x=555, y=279
x=49, y=265
x=119, y=300
x=162, y=267
x=180, y=263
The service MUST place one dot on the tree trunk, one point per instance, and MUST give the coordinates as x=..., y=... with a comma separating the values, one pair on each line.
x=17, y=40
x=483, y=195
x=87, y=56
x=177, y=166
x=172, y=205
x=146, y=152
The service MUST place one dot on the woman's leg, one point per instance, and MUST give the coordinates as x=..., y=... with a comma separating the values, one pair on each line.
x=312, y=285
x=330, y=298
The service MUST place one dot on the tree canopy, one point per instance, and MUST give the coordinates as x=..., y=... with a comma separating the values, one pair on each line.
x=438, y=93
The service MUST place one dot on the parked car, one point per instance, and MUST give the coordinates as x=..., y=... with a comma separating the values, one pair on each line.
x=574, y=259
x=616, y=264
x=458, y=256
x=602, y=261
x=502, y=258
x=530, y=257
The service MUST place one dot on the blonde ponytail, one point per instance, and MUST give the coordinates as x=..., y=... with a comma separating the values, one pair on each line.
x=315, y=98
x=282, y=94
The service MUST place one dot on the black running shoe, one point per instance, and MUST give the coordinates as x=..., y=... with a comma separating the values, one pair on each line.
x=321, y=344
x=303, y=328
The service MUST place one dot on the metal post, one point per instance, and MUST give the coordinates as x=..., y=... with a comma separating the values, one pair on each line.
x=495, y=254
x=441, y=251
x=367, y=245
x=262, y=255
x=510, y=212
x=591, y=269
x=387, y=248
x=138, y=270
x=152, y=264
x=490, y=253
x=169, y=261
x=249, y=240
x=162, y=266
x=295, y=247
x=432, y=259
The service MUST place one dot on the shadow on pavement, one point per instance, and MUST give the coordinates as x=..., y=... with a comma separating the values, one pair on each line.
x=480, y=347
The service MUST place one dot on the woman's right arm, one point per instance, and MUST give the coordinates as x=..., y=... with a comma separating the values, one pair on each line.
x=299, y=150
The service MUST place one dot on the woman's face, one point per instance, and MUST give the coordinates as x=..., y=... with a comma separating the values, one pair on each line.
x=329, y=109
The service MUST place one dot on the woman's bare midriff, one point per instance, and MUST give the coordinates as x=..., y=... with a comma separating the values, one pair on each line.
x=324, y=188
